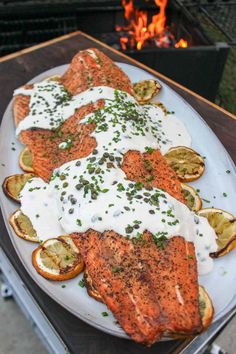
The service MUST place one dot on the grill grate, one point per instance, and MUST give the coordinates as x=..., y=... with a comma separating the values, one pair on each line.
x=17, y=33
x=25, y=23
x=223, y=15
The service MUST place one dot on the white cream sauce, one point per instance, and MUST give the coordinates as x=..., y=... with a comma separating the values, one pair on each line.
x=51, y=105
x=93, y=192
x=39, y=204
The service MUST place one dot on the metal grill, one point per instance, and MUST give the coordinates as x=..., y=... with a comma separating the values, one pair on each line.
x=223, y=15
x=16, y=34
x=25, y=23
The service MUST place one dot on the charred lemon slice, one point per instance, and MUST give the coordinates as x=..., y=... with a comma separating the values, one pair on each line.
x=22, y=226
x=191, y=196
x=58, y=259
x=54, y=78
x=146, y=90
x=224, y=225
x=206, y=307
x=91, y=289
x=25, y=160
x=187, y=163
x=12, y=185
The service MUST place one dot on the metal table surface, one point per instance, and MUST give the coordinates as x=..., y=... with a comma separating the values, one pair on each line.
x=60, y=328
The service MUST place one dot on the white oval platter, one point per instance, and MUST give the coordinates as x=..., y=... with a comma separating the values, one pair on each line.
x=221, y=283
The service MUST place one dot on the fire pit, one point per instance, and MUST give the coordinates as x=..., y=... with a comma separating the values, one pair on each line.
x=164, y=36
x=141, y=31
x=168, y=39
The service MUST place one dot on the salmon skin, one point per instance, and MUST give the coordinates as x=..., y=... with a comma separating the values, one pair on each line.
x=152, y=289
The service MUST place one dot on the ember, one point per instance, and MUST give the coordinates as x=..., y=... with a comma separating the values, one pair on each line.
x=139, y=33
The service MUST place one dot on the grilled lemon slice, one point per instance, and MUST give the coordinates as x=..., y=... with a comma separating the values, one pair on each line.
x=54, y=78
x=187, y=163
x=146, y=90
x=22, y=226
x=91, y=289
x=12, y=185
x=58, y=259
x=206, y=307
x=224, y=225
x=191, y=196
x=25, y=160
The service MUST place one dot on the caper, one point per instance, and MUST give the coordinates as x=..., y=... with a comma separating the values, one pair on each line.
x=126, y=208
x=91, y=170
x=73, y=200
x=110, y=165
x=101, y=161
x=129, y=229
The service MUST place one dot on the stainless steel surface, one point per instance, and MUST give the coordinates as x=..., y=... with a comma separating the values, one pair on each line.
x=200, y=342
x=31, y=310
x=49, y=336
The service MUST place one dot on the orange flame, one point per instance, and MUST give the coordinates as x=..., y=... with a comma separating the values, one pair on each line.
x=123, y=42
x=181, y=44
x=129, y=9
x=157, y=25
x=139, y=31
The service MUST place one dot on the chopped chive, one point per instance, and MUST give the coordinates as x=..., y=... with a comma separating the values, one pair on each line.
x=104, y=314
x=81, y=283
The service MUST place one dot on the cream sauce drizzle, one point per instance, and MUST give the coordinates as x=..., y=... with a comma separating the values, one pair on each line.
x=93, y=192
x=51, y=105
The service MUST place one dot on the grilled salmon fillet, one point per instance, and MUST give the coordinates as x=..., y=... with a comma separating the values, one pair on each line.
x=153, y=170
x=88, y=68
x=44, y=144
x=91, y=68
x=151, y=289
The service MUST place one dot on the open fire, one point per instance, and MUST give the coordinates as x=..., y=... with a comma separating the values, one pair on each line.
x=138, y=33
